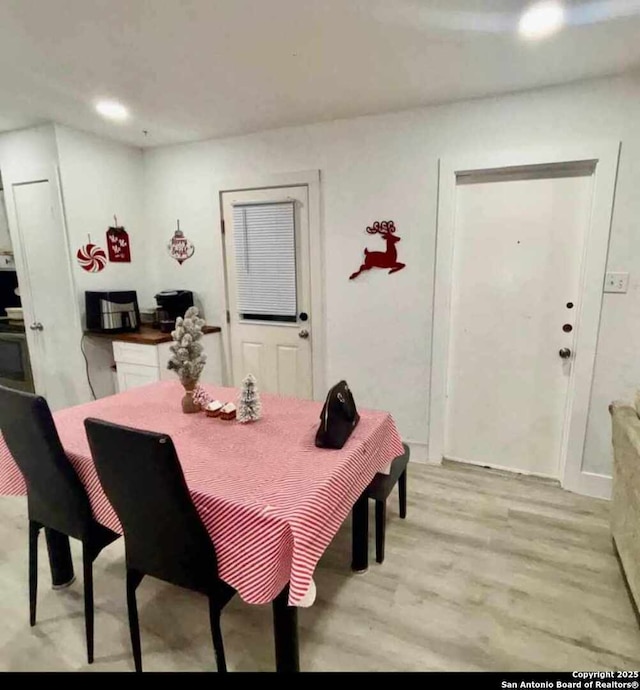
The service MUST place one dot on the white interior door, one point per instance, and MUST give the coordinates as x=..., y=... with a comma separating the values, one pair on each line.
x=269, y=288
x=516, y=278
x=48, y=294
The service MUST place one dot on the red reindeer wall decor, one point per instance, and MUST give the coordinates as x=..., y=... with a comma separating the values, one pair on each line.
x=386, y=259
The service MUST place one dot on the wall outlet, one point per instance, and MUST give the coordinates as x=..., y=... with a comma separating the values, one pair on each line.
x=616, y=282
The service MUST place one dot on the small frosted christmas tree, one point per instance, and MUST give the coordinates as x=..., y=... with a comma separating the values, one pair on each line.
x=187, y=358
x=249, y=405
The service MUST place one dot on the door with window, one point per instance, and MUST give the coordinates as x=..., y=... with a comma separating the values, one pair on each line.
x=267, y=260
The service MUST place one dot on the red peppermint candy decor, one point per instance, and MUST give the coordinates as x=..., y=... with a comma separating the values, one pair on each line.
x=91, y=258
x=118, y=244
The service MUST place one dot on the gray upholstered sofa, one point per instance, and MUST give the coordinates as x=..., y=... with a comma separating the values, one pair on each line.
x=625, y=506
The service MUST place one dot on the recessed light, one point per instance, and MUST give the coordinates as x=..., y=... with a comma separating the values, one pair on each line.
x=112, y=110
x=541, y=20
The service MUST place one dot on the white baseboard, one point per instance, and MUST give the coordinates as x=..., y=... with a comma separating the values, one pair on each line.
x=502, y=468
x=590, y=484
x=586, y=483
x=419, y=452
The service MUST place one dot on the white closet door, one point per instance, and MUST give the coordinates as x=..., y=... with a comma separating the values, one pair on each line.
x=49, y=297
x=519, y=245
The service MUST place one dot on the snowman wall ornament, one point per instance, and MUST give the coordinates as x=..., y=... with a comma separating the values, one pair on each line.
x=179, y=247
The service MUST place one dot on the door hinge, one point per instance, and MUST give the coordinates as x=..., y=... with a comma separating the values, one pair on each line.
x=228, y=316
x=222, y=225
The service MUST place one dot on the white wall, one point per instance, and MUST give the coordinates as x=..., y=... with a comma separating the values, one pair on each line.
x=98, y=178
x=101, y=178
x=373, y=168
x=385, y=167
x=26, y=153
x=26, y=156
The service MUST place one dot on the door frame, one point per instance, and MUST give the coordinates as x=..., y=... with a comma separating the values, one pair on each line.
x=604, y=155
x=311, y=180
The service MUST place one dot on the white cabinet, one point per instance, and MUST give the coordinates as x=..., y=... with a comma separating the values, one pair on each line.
x=134, y=375
x=138, y=364
x=136, y=353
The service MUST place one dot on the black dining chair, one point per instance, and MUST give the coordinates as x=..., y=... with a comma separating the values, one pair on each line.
x=380, y=488
x=163, y=534
x=56, y=499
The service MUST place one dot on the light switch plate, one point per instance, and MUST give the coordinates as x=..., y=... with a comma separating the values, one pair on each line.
x=616, y=282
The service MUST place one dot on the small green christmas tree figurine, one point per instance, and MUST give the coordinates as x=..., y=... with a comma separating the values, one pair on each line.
x=249, y=405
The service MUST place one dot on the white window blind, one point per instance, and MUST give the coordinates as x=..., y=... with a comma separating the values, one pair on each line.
x=265, y=248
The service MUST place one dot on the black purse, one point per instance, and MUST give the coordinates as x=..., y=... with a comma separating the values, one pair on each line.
x=338, y=419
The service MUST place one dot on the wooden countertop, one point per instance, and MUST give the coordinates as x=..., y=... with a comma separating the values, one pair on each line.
x=146, y=335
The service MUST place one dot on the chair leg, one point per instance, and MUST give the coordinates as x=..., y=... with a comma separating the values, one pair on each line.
x=360, y=534
x=402, y=492
x=34, y=530
x=87, y=567
x=381, y=523
x=133, y=580
x=216, y=636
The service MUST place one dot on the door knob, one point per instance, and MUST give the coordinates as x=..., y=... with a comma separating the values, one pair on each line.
x=565, y=353
x=304, y=334
x=36, y=326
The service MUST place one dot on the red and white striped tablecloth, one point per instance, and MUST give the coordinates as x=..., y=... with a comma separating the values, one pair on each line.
x=269, y=498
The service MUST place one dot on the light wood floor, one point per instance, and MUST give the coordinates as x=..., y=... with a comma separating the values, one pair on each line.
x=488, y=572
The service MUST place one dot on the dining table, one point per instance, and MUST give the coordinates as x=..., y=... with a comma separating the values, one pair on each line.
x=270, y=499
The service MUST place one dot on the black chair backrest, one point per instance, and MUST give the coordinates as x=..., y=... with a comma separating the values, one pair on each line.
x=142, y=478
x=56, y=496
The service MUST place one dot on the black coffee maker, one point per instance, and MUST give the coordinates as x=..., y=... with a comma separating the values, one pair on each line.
x=171, y=305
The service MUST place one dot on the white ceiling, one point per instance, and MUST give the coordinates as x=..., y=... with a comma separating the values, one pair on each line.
x=192, y=69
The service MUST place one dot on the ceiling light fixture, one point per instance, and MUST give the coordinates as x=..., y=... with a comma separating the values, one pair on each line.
x=541, y=20
x=112, y=110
